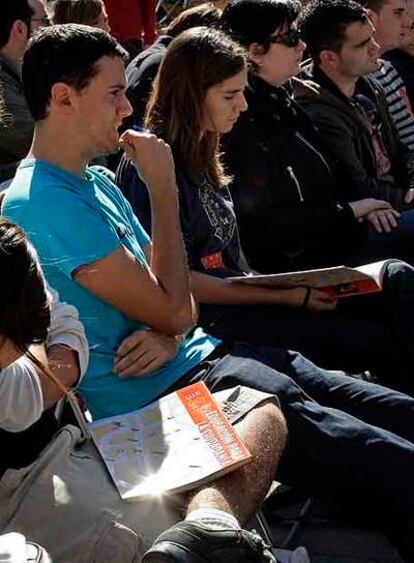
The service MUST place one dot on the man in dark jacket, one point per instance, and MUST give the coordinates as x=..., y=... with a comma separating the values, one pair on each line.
x=348, y=107
x=290, y=192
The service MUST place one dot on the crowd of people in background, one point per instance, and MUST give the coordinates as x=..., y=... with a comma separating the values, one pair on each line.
x=140, y=169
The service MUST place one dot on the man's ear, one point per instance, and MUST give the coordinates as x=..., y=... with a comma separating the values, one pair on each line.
x=256, y=52
x=19, y=31
x=328, y=58
x=62, y=97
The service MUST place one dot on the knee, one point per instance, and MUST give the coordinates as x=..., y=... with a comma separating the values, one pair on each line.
x=399, y=276
x=272, y=424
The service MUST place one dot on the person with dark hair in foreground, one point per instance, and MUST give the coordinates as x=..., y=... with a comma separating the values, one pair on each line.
x=98, y=255
x=43, y=353
x=79, y=84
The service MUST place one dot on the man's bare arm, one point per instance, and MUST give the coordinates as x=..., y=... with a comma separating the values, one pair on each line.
x=63, y=362
x=159, y=297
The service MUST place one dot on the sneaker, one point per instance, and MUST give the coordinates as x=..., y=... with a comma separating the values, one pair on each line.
x=191, y=542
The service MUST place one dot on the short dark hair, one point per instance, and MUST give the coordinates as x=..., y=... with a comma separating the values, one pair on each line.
x=253, y=21
x=63, y=53
x=323, y=24
x=11, y=11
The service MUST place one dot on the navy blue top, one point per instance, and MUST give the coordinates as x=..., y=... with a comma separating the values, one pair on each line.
x=208, y=221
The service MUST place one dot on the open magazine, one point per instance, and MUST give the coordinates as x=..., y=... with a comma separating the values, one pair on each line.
x=174, y=444
x=340, y=281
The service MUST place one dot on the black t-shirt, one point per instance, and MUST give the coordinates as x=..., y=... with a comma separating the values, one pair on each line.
x=375, y=127
x=208, y=221
x=22, y=448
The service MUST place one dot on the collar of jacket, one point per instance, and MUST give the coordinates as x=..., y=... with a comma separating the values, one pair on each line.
x=365, y=84
x=315, y=85
x=12, y=69
x=266, y=98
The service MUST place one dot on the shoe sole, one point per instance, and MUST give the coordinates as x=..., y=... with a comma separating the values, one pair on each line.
x=165, y=552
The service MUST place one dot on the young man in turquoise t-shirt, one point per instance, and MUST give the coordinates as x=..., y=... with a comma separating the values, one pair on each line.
x=96, y=254
x=76, y=221
x=132, y=295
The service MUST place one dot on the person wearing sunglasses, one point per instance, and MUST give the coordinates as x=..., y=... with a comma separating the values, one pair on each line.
x=288, y=191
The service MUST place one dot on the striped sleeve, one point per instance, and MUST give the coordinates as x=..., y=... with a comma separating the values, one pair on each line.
x=398, y=103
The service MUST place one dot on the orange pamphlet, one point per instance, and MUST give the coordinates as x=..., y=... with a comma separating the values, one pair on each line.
x=340, y=281
x=172, y=445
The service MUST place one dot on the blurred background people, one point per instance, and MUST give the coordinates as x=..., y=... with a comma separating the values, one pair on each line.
x=391, y=21
x=87, y=12
x=349, y=106
x=142, y=70
x=133, y=23
x=403, y=58
x=18, y=20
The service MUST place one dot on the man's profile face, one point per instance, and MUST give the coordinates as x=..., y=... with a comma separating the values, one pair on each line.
x=360, y=51
x=101, y=107
x=391, y=23
x=408, y=42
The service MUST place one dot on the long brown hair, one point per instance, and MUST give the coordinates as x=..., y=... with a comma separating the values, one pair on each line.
x=195, y=61
x=24, y=301
x=24, y=304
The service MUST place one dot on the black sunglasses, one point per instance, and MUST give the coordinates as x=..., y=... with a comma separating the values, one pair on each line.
x=290, y=39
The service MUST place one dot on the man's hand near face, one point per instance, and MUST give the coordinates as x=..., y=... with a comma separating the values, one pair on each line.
x=159, y=295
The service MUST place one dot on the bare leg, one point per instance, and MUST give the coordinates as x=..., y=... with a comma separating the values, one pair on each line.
x=240, y=493
x=211, y=532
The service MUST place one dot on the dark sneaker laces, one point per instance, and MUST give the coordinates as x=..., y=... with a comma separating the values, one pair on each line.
x=191, y=542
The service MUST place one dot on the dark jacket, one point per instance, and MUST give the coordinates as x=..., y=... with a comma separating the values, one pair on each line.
x=140, y=73
x=345, y=127
x=286, y=190
x=17, y=130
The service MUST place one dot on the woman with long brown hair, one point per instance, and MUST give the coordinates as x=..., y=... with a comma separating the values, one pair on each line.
x=198, y=95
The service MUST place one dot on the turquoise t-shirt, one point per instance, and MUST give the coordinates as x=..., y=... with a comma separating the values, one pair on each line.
x=71, y=222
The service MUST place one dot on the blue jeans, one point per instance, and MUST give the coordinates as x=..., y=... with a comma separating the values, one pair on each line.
x=373, y=332
x=397, y=244
x=348, y=440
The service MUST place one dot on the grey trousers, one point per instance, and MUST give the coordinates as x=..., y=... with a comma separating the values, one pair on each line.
x=66, y=501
